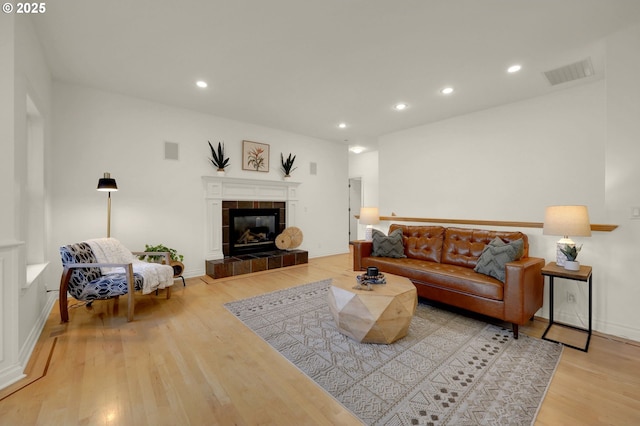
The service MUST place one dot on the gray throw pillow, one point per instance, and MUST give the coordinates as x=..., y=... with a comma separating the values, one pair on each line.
x=390, y=246
x=496, y=255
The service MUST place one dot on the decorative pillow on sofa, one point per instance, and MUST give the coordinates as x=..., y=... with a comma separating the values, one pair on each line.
x=390, y=246
x=496, y=255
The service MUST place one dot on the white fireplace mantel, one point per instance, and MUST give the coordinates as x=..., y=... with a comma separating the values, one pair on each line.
x=219, y=189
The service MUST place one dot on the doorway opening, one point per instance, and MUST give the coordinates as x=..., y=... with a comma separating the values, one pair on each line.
x=355, y=202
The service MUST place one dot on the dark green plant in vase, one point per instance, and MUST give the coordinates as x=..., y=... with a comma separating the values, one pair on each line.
x=287, y=165
x=160, y=248
x=571, y=252
x=217, y=157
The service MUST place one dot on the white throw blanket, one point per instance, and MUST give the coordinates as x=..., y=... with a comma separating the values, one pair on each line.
x=109, y=250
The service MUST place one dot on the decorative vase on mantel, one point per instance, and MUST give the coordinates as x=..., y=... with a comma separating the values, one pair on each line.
x=287, y=165
x=218, y=158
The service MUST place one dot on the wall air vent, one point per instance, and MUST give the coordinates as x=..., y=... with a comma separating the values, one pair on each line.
x=575, y=71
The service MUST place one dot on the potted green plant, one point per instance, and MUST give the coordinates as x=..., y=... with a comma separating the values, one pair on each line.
x=218, y=159
x=287, y=165
x=176, y=259
x=571, y=251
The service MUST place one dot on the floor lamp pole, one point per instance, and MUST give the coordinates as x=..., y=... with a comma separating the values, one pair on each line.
x=109, y=214
x=108, y=184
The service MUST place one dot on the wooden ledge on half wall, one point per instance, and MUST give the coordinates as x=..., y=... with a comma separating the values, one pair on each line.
x=594, y=226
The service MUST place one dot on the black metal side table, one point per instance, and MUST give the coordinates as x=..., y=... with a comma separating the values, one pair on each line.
x=552, y=271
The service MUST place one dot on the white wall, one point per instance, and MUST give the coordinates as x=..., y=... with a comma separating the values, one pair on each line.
x=620, y=274
x=24, y=305
x=162, y=201
x=7, y=82
x=510, y=162
x=504, y=163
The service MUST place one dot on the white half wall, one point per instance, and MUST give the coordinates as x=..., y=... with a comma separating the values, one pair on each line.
x=162, y=201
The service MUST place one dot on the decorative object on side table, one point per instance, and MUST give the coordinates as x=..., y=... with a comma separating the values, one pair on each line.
x=255, y=156
x=218, y=159
x=571, y=252
x=107, y=184
x=566, y=221
x=287, y=165
x=369, y=216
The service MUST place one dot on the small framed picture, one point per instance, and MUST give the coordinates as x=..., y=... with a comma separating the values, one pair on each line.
x=255, y=156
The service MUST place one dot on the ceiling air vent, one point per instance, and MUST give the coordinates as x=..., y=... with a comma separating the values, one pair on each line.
x=575, y=71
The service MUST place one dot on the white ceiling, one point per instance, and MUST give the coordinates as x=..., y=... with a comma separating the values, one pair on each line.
x=306, y=65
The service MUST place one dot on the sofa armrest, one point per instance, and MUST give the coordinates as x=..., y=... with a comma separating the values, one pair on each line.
x=523, y=289
x=361, y=249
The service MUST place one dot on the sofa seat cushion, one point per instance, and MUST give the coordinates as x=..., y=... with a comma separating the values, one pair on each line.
x=451, y=277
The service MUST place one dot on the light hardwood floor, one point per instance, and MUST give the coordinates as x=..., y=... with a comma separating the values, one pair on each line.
x=187, y=360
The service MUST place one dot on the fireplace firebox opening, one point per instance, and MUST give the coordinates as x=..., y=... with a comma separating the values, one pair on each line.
x=253, y=230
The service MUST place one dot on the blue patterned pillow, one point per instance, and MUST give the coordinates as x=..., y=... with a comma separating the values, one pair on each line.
x=390, y=246
x=496, y=255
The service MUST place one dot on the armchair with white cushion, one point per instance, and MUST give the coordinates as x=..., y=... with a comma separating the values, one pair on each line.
x=103, y=268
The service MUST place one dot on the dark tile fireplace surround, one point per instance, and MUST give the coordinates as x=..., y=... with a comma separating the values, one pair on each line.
x=232, y=265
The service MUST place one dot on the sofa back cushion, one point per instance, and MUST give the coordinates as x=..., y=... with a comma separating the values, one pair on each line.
x=464, y=246
x=421, y=242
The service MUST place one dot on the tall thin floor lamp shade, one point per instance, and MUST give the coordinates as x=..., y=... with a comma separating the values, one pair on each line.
x=107, y=184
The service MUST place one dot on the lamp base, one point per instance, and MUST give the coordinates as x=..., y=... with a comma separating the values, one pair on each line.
x=560, y=256
x=368, y=233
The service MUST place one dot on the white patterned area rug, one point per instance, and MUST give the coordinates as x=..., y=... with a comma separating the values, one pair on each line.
x=448, y=370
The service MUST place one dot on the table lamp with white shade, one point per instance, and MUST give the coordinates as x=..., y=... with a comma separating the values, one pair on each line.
x=369, y=216
x=566, y=221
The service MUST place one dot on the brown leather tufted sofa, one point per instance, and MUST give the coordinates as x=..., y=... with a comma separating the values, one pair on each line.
x=440, y=263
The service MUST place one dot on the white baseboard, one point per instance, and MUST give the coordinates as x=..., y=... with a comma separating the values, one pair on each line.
x=29, y=345
x=605, y=327
x=15, y=372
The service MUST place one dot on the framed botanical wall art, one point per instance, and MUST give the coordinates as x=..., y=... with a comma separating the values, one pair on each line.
x=255, y=156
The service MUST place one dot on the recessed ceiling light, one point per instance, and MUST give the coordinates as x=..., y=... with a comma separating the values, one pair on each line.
x=447, y=91
x=342, y=125
x=514, y=68
x=401, y=106
x=201, y=84
x=356, y=149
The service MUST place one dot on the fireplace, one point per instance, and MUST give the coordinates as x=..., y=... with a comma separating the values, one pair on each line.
x=247, y=225
x=253, y=230
x=248, y=194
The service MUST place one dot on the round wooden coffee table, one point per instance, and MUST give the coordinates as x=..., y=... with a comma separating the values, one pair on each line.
x=382, y=315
